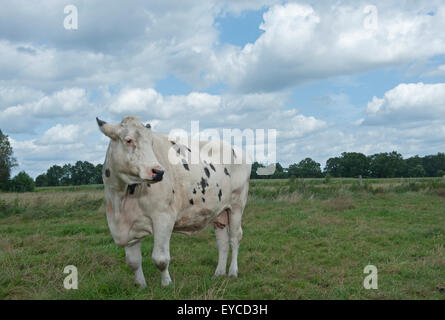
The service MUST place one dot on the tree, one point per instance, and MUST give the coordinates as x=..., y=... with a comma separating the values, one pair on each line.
x=98, y=174
x=255, y=166
x=333, y=167
x=42, y=180
x=417, y=171
x=7, y=161
x=82, y=173
x=350, y=164
x=306, y=168
x=22, y=182
x=433, y=163
x=279, y=172
x=54, y=175
x=354, y=164
x=387, y=165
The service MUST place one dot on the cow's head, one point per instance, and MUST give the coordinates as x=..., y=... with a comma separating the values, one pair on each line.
x=132, y=156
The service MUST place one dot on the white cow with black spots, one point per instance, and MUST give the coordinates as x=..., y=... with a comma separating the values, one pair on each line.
x=148, y=193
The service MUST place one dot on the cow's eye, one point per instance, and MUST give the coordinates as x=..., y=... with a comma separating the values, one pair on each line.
x=130, y=142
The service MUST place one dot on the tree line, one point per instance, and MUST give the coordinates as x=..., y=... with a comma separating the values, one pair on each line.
x=355, y=164
x=82, y=172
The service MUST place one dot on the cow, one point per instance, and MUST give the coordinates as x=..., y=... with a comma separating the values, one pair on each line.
x=147, y=193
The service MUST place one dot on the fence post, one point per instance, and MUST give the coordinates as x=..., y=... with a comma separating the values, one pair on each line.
x=361, y=180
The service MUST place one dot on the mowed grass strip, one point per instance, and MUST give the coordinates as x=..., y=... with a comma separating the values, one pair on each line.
x=302, y=240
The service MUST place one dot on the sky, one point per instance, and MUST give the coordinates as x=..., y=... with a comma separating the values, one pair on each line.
x=329, y=76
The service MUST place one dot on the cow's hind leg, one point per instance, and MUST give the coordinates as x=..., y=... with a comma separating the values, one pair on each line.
x=133, y=258
x=222, y=240
x=235, y=234
x=239, y=199
x=162, y=231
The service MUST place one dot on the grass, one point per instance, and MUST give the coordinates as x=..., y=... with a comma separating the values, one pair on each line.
x=302, y=240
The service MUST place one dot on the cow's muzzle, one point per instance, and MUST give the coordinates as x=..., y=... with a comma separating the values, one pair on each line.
x=157, y=174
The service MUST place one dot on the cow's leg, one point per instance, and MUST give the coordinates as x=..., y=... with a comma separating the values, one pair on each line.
x=133, y=258
x=236, y=234
x=222, y=240
x=162, y=231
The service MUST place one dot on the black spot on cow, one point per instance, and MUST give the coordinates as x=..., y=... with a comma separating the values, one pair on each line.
x=191, y=201
x=213, y=168
x=131, y=188
x=203, y=200
x=207, y=172
x=185, y=164
x=219, y=194
x=148, y=185
x=226, y=172
x=173, y=191
x=107, y=173
x=172, y=142
x=194, y=191
x=233, y=152
x=203, y=184
x=188, y=149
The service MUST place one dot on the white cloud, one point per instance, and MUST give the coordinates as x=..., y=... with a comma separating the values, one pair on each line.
x=29, y=115
x=214, y=111
x=10, y=96
x=407, y=103
x=136, y=100
x=60, y=134
x=302, y=43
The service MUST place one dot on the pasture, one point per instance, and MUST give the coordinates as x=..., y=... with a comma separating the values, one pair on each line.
x=303, y=239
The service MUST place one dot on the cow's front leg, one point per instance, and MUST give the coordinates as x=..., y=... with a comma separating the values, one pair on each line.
x=222, y=240
x=133, y=257
x=162, y=231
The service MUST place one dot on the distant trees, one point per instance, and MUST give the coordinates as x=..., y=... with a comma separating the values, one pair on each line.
x=254, y=168
x=385, y=165
x=355, y=164
x=22, y=182
x=7, y=161
x=82, y=172
x=306, y=168
x=349, y=164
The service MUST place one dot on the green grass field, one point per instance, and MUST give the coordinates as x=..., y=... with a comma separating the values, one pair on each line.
x=303, y=239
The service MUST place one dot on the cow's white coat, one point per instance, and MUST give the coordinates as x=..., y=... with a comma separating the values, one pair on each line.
x=187, y=199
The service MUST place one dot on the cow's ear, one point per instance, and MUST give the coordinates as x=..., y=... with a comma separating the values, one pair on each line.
x=107, y=129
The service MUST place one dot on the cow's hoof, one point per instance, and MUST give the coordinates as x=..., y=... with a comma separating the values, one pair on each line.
x=141, y=285
x=166, y=282
x=219, y=273
x=233, y=273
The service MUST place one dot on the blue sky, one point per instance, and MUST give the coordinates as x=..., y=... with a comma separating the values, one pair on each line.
x=329, y=77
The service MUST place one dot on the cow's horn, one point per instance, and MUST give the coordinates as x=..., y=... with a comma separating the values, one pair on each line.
x=100, y=122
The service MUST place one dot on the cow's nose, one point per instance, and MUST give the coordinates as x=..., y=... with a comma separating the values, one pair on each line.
x=157, y=174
